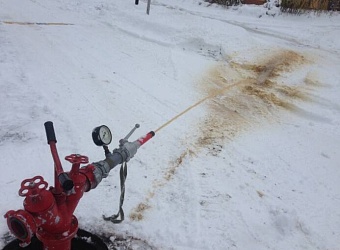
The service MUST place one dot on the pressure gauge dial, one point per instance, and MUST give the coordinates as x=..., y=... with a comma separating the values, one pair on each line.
x=101, y=135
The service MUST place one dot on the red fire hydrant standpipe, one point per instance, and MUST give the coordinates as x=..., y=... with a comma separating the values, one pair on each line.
x=48, y=213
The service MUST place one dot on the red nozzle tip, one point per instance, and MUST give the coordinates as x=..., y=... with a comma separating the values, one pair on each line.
x=147, y=137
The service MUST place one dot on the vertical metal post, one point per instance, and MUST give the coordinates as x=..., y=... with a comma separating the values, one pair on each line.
x=148, y=7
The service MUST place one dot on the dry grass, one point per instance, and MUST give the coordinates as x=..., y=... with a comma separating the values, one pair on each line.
x=301, y=6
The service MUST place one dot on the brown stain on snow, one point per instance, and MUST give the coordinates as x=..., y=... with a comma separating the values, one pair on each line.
x=137, y=212
x=240, y=96
x=260, y=92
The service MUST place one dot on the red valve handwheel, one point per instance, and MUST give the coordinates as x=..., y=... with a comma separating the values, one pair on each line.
x=76, y=158
x=32, y=186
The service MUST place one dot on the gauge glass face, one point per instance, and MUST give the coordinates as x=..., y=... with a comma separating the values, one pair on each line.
x=105, y=135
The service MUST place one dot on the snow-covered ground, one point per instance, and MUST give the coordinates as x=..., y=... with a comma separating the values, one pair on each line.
x=254, y=165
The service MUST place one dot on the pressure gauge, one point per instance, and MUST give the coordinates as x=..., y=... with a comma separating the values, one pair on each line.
x=101, y=135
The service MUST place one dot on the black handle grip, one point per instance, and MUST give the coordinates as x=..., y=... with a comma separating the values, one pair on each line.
x=50, y=132
x=65, y=182
x=136, y=2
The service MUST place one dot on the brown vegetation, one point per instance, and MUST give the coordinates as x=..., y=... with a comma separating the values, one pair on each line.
x=225, y=2
x=298, y=6
x=257, y=2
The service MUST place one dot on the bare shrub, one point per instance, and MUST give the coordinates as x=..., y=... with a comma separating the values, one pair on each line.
x=225, y=2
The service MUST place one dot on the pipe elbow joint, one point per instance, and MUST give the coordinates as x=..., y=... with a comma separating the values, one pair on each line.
x=22, y=225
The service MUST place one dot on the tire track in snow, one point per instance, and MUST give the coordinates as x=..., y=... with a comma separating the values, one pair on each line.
x=242, y=96
x=36, y=23
x=249, y=28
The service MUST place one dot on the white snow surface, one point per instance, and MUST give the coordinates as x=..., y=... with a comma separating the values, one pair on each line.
x=254, y=166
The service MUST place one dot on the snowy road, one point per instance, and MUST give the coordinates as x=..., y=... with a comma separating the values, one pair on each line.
x=252, y=162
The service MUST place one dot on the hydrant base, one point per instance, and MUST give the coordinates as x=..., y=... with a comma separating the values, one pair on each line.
x=83, y=241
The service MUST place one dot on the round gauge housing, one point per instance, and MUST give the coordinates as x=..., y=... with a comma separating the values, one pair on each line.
x=101, y=135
